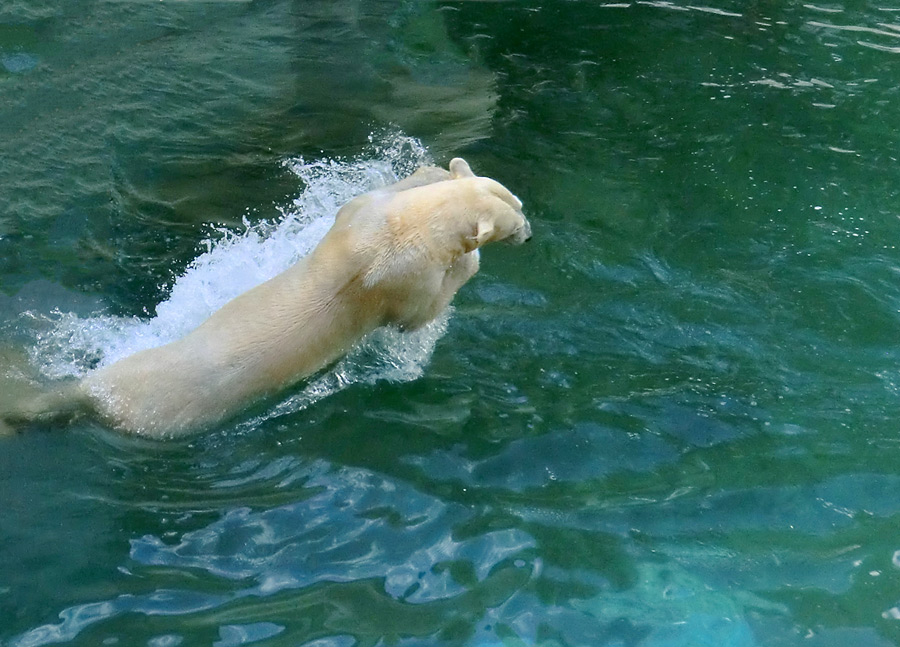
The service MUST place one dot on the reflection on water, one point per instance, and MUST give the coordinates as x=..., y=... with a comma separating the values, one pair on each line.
x=668, y=421
x=339, y=531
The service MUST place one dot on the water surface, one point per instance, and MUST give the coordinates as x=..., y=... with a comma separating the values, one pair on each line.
x=669, y=420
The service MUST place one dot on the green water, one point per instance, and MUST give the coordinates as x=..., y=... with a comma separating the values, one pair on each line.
x=669, y=420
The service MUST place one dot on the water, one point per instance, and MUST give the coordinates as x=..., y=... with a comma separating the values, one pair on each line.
x=668, y=420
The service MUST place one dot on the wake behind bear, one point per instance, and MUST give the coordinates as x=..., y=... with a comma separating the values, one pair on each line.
x=394, y=256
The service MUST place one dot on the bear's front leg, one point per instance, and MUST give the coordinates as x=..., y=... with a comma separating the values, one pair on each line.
x=427, y=306
x=459, y=272
x=464, y=268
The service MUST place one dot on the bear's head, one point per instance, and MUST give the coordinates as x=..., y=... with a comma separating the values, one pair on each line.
x=434, y=223
x=500, y=216
x=503, y=220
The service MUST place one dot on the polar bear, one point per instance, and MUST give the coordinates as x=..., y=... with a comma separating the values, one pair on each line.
x=394, y=256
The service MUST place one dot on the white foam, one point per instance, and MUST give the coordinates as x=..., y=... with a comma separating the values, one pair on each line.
x=386, y=354
x=235, y=261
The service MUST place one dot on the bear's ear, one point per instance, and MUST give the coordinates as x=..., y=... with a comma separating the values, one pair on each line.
x=483, y=232
x=459, y=168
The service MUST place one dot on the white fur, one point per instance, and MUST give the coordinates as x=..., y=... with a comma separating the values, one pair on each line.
x=395, y=256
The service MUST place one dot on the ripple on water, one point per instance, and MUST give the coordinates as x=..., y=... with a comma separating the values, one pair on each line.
x=19, y=62
x=341, y=533
x=585, y=452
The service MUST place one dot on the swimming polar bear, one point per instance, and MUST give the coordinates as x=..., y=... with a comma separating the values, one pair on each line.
x=394, y=256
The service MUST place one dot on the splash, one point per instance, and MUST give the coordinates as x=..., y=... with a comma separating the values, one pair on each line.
x=386, y=354
x=236, y=261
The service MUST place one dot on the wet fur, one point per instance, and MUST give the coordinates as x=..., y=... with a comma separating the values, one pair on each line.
x=394, y=256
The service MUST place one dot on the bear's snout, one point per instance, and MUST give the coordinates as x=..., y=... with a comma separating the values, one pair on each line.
x=522, y=234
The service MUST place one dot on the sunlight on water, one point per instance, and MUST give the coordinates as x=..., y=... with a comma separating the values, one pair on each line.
x=313, y=541
x=234, y=262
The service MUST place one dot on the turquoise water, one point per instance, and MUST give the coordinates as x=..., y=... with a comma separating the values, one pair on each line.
x=668, y=420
